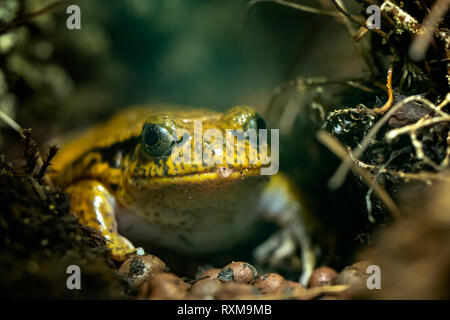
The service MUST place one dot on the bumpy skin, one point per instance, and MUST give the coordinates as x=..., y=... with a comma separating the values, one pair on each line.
x=192, y=208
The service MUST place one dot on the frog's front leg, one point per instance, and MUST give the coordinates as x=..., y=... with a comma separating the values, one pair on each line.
x=95, y=207
x=280, y=204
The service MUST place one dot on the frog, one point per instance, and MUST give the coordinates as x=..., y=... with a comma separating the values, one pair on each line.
x=123, y=181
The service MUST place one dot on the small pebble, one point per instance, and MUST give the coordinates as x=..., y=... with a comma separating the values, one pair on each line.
x=322, y=276
x=354, y=275
x=205, y=289
x=164, y=286
x=141, y=268
x=269, y=283
x=239, y=272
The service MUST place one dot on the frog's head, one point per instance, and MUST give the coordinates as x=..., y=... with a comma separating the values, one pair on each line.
x=197, y=196
x=180, y=148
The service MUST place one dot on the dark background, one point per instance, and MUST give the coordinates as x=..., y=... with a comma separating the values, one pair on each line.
x=194, y=53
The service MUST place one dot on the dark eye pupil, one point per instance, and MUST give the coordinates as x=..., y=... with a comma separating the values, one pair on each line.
x=260, y=123
x=152, y=136
x=257, y=123
x=156, y=140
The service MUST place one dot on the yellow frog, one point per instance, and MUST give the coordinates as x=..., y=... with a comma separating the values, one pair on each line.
x=122, y=176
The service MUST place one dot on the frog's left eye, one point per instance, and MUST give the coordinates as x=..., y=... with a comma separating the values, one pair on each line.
x=257, y=123
x=156, y=140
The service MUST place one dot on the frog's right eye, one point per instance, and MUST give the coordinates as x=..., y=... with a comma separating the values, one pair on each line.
x=156, y=140
x=257, y=123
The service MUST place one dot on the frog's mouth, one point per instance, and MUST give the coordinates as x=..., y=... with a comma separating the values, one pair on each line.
x=224, y=173
x=221, y=174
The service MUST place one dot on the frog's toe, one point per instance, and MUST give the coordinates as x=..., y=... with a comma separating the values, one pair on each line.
x=282, y=246
x=121, y=248
x=274, y=250
x=308, y=265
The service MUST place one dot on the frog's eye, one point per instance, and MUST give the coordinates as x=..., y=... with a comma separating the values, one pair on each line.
x=257, y=123
x=156, y=140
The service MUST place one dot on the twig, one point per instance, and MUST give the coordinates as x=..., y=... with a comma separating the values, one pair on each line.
x=47, y=162
x=338, y=149
x=420, y=153
x=394, y=155
x=388, y=103
x=10, y=122
x=297, y=6
x=25, y=134
x=431, y=22
x=30, y=151
x=310, y=82
x=303, y=294
x=339, y=176
x=303, y=84
x=413, y=127
x=359, y=34
x=424, y=176
x=357, y=45
x=358, y=20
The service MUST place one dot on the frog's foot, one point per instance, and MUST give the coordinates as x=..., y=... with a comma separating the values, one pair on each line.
x=282, y=246
x=94, y=206
x=275, y=249
x=121, y=248
x=281, y=205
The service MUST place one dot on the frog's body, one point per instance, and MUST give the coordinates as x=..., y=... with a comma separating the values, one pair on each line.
x=117, y=171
